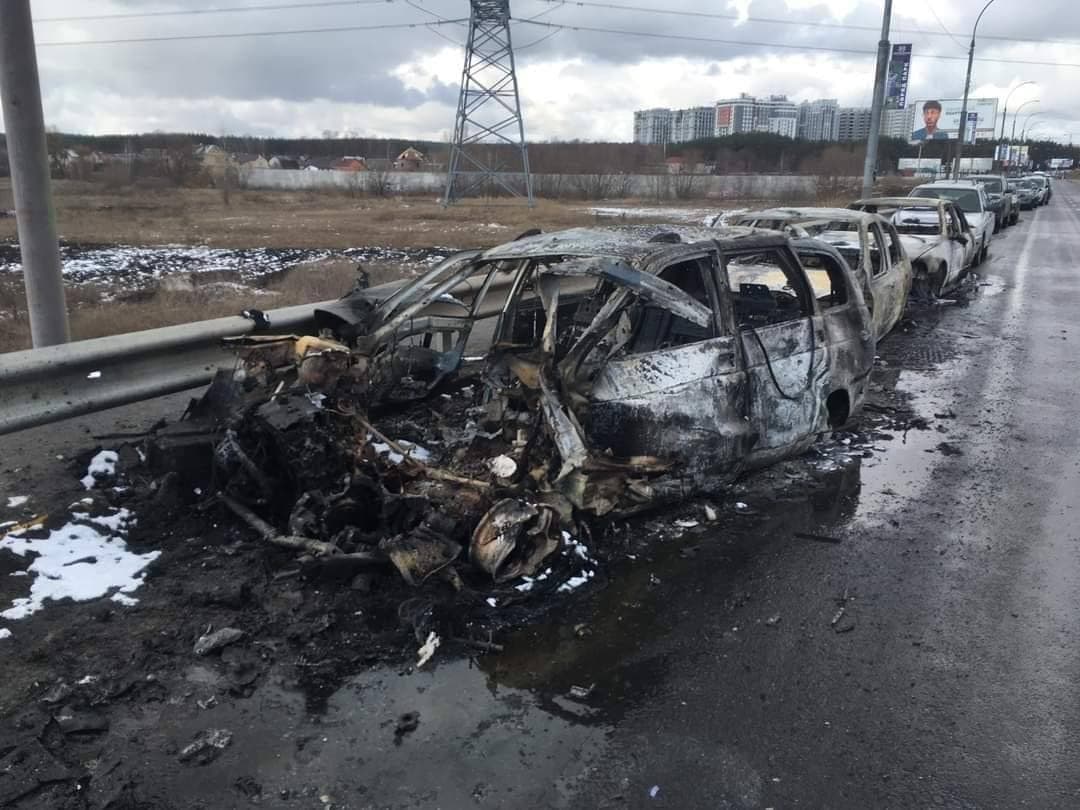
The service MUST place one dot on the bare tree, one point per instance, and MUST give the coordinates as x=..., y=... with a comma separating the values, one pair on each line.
x=179, y=164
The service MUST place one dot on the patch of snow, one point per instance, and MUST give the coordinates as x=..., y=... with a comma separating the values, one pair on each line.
x=492, y=602
x=15, y=501
x=103, y=465
x=4, y=633
x=81, y=560
x=430, y=646
x=94, y=375
x=415, y=451
x=668, y=213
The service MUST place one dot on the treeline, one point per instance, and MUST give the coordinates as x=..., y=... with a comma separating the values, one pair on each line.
x=749, y=153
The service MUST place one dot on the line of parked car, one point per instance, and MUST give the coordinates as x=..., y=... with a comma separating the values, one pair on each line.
x=704, y=351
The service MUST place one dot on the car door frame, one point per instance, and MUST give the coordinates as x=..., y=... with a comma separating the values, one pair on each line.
x=778, y=428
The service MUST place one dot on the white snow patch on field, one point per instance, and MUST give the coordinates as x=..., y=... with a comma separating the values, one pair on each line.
x=15, y=501
x=85, y=559
x=669, y=213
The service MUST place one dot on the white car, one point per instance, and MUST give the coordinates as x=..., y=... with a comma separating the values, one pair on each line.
x=970, y=198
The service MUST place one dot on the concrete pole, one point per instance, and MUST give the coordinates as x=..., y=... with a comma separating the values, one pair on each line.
x=967, y=89
x=29, y=159
x=870, y=166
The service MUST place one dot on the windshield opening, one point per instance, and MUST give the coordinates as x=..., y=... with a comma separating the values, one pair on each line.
x=966, y=198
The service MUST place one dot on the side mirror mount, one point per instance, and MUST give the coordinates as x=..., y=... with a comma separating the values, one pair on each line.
x=961, y=238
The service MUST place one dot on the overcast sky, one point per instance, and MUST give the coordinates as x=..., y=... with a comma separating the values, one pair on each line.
x=574, y=84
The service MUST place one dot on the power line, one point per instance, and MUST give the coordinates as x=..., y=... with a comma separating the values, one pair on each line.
x=176, y=38
x=132, y=15
x=948, y=33
x=776, y=21
x=785, y=46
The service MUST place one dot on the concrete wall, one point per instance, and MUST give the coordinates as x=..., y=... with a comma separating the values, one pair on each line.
x=659, y=186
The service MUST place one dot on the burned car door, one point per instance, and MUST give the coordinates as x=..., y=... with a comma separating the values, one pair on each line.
x=888, y=285
x=784, y=345
x=676, y=390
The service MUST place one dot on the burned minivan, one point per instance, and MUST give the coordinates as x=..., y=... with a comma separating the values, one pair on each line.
x=624, y=370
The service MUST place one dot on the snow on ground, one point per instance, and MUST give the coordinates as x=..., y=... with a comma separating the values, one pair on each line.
x=103, y=465
x=86, y=558
x=699, y=216
x=15, y=501
x=130, y=267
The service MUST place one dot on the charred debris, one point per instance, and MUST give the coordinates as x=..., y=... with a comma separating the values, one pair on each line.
x=477, y=429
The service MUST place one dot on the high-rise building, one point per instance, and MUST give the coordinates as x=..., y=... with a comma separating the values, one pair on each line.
x=661, y=125
x=853, y=124
x=819, y=120
x=652, y=126
x=750, y=114
x=898, y=123
x=692, y=124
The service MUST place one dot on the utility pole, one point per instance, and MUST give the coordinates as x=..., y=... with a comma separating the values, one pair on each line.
x=870, y=166
x=28, y=156
x=967, y=89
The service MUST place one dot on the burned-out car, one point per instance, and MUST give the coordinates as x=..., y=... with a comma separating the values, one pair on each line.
x=935, y=234
x=869, y=243
x=675, y=363
x=508, y=395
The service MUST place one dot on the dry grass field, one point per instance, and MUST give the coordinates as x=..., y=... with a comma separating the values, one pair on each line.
x=92, y=213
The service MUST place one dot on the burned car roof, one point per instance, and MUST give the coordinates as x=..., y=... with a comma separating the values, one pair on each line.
x=809, y=213
x=629, y=244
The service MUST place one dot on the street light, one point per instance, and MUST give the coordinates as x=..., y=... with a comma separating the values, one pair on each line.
x=1023, y=132
x=1005, y=112
x=967, y=89
x=1017, y=114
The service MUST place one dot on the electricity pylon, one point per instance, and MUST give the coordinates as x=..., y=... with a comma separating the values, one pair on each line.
x=489, y=109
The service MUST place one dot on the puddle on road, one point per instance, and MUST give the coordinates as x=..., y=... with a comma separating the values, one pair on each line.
x=397, y=740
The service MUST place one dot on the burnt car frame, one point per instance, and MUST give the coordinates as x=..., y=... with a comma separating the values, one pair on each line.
x=660, y=367
x=876, y=254
x=935, y=234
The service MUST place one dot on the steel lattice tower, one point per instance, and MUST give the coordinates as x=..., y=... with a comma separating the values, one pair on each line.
x=489, y=109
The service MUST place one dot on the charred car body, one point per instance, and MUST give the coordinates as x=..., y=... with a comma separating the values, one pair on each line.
x=936, y=237
x=617, y=373
x=870, y=244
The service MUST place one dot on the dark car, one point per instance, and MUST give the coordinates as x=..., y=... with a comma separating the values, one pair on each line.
x=1002, y=201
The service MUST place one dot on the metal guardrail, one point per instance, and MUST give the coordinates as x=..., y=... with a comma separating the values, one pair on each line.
x=40, y=386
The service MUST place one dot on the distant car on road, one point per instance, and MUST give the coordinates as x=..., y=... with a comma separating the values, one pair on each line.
x=1027, y=192
x=972, y=200
x=1043, y=184
x=1002, y=201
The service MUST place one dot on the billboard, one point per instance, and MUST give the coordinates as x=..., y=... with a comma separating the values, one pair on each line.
x=939, y=119
x=897, y=79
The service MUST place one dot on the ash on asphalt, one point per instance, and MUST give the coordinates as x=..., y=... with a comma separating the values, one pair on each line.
x=320, y=701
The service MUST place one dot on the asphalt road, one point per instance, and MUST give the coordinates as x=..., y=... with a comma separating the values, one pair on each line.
x=902, y=633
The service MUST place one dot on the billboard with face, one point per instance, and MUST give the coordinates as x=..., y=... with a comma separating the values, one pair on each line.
x=939, y=119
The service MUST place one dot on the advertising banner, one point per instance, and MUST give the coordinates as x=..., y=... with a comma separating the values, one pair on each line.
x=939, y=119
x=971, y=127
x=896, y=81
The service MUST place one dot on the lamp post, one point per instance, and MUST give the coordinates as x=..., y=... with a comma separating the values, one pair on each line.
x=967, y=89
x=1024, y=130
x=876, y=104
x=1017, y=115
x=1005, y=111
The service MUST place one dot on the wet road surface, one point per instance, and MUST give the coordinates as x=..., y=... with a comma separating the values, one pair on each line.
x=914, y=646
